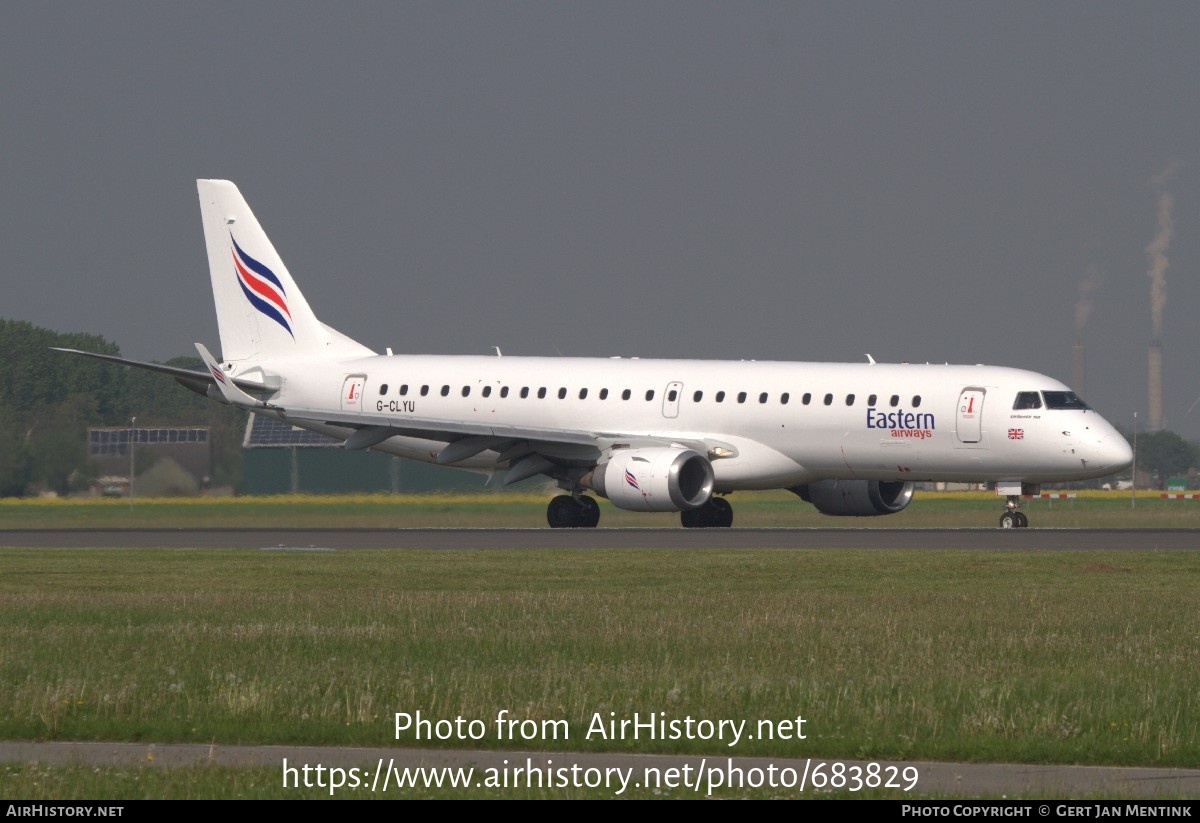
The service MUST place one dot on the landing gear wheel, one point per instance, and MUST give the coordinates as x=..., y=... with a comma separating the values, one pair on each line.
x=723, y=512
x=560, y=514
x=715, y=513
x=567, y=512
x=1013, y=519
x=589, y=512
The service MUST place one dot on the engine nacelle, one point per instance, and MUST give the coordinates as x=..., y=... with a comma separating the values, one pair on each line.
x=655, y=480
x=856, y=498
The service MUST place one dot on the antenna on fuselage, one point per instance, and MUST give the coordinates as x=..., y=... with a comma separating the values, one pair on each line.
x=497, y=348
x=870, y=359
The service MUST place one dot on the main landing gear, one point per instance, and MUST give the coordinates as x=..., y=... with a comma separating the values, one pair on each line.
x=582, y=512
x=570, y=512
x=1013, y=519
x=715, y=513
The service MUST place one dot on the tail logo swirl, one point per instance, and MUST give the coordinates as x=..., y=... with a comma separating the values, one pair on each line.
x=261, y=287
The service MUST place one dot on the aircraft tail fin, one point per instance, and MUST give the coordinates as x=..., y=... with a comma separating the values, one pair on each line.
x=261, y=313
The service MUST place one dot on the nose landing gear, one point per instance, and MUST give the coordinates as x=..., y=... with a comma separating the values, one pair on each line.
x=1012, y=518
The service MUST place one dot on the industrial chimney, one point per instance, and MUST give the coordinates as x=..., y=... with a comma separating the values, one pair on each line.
x=1079, y=369
x=1156, y=386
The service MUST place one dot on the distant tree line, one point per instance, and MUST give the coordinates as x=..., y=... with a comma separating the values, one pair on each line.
x=1164, y=454
x=48, y=399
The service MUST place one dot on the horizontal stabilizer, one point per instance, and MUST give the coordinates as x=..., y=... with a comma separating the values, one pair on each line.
x=186, y=376
x=174, y=371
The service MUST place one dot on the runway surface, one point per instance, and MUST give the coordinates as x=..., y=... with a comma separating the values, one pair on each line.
x=584, y=539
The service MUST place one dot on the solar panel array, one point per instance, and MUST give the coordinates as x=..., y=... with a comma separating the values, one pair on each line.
x=115, y=441
x=266, y=432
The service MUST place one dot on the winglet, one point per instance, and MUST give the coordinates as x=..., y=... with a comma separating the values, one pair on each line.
x=233, y=395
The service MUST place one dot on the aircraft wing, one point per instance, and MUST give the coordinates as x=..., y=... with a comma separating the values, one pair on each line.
x=527, y=450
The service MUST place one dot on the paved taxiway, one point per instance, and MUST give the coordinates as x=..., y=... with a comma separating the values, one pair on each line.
x=312, y=539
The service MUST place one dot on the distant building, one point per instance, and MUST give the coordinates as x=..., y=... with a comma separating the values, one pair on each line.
x=188, y=446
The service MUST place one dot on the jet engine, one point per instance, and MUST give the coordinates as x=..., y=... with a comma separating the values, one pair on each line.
x=856, y=498
x=655, y=479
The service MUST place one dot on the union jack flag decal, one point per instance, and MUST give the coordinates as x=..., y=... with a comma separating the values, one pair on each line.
x=1016, y=434
x=261, y=287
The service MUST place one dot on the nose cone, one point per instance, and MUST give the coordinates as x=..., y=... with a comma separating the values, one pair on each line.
x=1112, y=453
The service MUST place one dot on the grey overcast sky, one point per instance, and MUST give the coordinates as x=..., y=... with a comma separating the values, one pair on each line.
x=958, y=181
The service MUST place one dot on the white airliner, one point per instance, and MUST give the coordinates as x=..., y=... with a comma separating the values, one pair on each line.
x=649, y=435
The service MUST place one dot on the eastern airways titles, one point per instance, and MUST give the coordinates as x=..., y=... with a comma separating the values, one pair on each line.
x=903, y=423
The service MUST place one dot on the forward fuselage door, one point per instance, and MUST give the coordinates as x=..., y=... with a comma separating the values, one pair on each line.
x=671, y=399
x=352, y=391
x=970, y=415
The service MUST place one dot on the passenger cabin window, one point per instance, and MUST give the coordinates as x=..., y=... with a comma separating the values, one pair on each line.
x=383, y=390
x=542, y=393
x=524, y=392
x=504, y=391
x=895, y=401
x=625, y=395
x=1027, y=400
x=424, y=390
x=697, y=396
x=650, y=394
x=445, y=391
x=741, y=397
x=671, y=395
x=849, y=400
x=1064, y=400
x=783, y=399
x=604, y=394
x=916, y=401
x=562, y=393
x=466, y=391
x=871, y=400
x=487, y=391
x=807, y=398
x=762, y=398
x=583, y=394
x=829, y=400
x=720, y=397
x=403, y=389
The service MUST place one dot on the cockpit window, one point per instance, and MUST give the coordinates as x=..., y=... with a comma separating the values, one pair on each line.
x=1064, y=400
x=1028, y=400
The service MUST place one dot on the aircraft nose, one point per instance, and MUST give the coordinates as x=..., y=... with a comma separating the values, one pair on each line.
x=1113, y=453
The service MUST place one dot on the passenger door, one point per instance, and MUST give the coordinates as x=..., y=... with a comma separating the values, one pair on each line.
x=970, y=416
x=671, y=399
x=352, y=391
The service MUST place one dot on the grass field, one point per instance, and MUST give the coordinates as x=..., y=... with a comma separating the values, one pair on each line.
x=1091, y=509
x=1081, y=657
